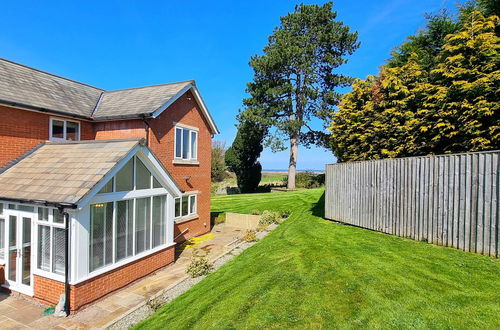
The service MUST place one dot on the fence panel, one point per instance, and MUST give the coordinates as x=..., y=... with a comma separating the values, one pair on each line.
x=450, y=200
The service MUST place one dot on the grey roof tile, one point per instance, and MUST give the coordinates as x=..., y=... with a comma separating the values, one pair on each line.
x=26, y=86
x=50, y=172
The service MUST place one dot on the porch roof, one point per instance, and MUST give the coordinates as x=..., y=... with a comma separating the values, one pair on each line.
x=62, y=172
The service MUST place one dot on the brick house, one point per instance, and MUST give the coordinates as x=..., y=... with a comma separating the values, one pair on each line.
x=96, y=186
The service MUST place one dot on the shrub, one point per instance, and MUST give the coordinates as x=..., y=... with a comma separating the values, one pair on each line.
x=199, y=266
x=308, y=180
x=218, y=220
x=284, y=213
x=262, y=227
x=256, y=212
x=269, y=217
x=250, y=236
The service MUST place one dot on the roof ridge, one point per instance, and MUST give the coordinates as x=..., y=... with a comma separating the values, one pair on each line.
x=157, y=85
x=51, y=74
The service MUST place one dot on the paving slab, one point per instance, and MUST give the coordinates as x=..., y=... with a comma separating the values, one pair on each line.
x=18, y=313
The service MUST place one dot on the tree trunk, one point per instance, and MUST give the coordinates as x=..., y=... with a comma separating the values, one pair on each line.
x=292, y=165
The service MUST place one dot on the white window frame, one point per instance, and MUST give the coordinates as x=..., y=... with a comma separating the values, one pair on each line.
x=51, y=224
x=149, y=250
x=65, y=121
x=191, y=212
x=190, y=152
x=4, y=236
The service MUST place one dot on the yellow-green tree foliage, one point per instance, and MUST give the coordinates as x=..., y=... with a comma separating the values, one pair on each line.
x=410, y=109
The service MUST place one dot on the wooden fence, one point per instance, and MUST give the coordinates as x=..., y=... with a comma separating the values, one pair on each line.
x=450, y=200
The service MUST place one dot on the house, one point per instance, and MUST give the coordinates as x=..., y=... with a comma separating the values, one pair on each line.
x=96, y=186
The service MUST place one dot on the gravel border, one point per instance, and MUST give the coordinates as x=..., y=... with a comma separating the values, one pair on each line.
x=148, y=307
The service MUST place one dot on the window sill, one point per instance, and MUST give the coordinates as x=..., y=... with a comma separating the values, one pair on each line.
x=186, y=218
x=185, y=162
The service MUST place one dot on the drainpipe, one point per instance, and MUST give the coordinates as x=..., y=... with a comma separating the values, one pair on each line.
x=146, y=124
x=66, y=262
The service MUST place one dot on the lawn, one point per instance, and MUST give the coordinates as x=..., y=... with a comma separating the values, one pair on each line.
x=312, y=273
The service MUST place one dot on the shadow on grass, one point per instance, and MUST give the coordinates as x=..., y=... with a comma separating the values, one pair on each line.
x=318, y=208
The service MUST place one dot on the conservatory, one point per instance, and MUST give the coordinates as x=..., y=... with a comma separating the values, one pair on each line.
x=79, y=220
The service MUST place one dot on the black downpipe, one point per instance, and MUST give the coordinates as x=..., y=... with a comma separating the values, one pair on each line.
x=66, y=265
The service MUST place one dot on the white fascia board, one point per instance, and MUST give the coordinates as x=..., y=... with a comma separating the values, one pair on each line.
x=205, y=111
x=86, y=199
x=151, y=163
x=160, y=172
x=198, y=99
x=171, y=101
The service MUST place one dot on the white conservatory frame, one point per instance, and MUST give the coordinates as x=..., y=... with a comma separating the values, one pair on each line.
x=79, y=220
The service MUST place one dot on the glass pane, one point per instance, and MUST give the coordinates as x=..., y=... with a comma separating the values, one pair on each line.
x=108, y=244
x=192, y=204
x=185, y=144
x=57, y=216
x=142, y=176
x=124, y=229
x=43, y=214
x=44, y=248
x=58, y=251
x=12, y=206
x=72, y=130
x=1, y=208
x=11, y=275
x=156, y=184
x=26, y=208
x=177, y=207
x=159, y=222
x=194, y=150
x=142, y=224
x=125, y=177
x=58, y=129
x=185, y=205
x=2, y=239
x=178, y=142
x=108, y=187
x=101, y=222
x=26, y=252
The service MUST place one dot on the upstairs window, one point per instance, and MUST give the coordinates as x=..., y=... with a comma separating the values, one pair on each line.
x=186, y=143
x=61, y=129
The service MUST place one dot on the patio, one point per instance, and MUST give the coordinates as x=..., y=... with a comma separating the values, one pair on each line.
x=17, y=313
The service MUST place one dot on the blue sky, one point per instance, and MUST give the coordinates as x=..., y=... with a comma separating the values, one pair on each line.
x=121, y=44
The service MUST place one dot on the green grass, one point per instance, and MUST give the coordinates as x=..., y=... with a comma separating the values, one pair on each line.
x=312, y=273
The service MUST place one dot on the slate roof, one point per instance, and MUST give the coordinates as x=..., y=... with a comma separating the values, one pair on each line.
x=62, y=172
x=27, y=86
x=143, y=100
x=38, y=90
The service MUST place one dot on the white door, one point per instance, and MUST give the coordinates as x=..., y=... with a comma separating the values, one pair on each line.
x=18, y=274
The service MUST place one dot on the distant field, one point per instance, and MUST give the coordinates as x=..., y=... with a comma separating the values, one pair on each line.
x=267, y=177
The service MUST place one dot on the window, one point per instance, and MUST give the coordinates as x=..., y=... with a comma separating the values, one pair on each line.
x=101, y=235
x=125, y=177
x=186, y=143
x=130, y=173
x=51, y=241
x=124, y=229
x=139, y=225
x=61, y=129
x=185, y=206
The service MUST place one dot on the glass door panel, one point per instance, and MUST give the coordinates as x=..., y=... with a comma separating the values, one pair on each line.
x=26, y=252
x=12, y=261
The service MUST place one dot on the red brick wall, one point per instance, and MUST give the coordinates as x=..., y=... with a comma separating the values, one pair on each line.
x=22, y=130
x=48, y=291
x=161, y=141
x=120, y=129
